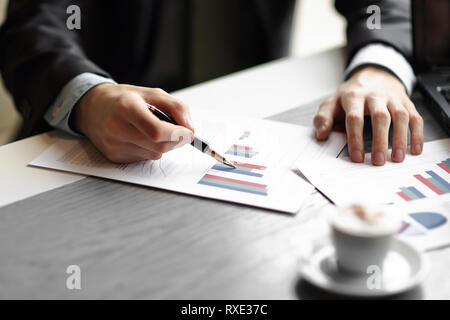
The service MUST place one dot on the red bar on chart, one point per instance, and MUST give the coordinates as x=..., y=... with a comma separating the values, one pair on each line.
x=428, y=184
x=241, y=147
x=404, y=196
x=248, y=165
x=443, y=166
x=236, y=181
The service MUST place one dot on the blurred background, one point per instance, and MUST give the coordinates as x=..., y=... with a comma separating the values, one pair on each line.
x=310, y=35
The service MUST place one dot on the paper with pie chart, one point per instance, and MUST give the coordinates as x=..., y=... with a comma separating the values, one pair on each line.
x=426, y=223
x=264, y=153
x=426, y=176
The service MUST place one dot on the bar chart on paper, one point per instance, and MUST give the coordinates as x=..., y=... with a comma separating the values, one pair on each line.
x=263, y=151
x=426, y=176
x=241, y=151
x=436, y=182
x=246, y=177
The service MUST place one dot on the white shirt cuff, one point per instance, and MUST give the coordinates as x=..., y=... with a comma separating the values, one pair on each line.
x=386, y=57
x=59, y=113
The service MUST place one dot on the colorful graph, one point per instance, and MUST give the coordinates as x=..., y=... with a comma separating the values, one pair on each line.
x=241, y=168
x=428, y=220
x=435, y=182
x=241, y=151
x=410, y=193
x=445, y=165
x=234, y=184
x=246, y=134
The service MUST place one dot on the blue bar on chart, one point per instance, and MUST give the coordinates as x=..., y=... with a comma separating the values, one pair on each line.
x=234, y=184
x=439, y=182
x=241, y=151
x=410, y=193
x=246, y=134
x=241, y=168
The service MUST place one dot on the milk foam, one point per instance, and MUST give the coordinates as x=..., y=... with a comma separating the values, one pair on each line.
x=364, y=220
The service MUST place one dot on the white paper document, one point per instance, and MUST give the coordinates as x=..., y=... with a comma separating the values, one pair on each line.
x=426, y=176
x=426, y=222
x=263, y=151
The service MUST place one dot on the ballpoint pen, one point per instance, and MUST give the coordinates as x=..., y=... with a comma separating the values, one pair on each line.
x=197, y=142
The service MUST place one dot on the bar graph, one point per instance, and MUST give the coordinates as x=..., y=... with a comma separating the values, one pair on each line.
x=445, y=165
x=410, y=193
x=436, y=183
x=241, y=168
x=246, y=134
x=241, y=151
x=234, y=184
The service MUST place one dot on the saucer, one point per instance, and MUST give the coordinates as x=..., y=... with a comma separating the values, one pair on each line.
x=403, y=269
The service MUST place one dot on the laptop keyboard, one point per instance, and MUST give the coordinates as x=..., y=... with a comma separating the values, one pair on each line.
x=446, y=93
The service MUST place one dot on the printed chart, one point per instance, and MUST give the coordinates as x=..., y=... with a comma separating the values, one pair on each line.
x=437, y=182
x=426, y=222
x=426, y=176
x=263, y=151
x=236, y=177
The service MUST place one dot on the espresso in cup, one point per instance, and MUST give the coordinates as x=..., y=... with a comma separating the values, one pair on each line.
x=362, y=236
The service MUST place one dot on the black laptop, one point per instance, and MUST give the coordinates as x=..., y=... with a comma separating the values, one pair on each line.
x=431, y=25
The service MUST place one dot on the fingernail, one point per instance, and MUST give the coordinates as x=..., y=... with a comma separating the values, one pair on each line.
x=357, y=156
x=398, y=155
x=417, y=148
x=323, y=128
x=190, y=122
x=378, y=158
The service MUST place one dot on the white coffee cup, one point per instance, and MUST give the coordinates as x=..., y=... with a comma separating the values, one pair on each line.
x=362, y=236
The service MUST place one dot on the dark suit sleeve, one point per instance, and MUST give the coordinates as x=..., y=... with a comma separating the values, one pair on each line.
x=395, y=29
x=39, y=55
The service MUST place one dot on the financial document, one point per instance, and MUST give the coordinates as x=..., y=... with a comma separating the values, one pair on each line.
x=426, y=222
x=426, y=176
x=263, y=151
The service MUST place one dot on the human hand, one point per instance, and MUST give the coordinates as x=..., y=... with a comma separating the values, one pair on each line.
x=375, y=92
x=117, y=121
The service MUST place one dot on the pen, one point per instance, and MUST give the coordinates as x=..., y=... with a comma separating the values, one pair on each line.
x=197, y=142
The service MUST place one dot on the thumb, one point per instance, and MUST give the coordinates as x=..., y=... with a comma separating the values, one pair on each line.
x=324, y=118
x=178, y=110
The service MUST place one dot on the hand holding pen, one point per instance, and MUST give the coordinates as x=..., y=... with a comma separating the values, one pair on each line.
x=117, y=121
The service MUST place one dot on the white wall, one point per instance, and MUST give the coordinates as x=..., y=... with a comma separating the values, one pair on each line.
x=9, y=118
x=317, y=27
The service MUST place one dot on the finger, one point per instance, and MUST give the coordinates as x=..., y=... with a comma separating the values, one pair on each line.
x=324, y=118
x=127, y=133
x=381, y=121
x=354, y=125
x=128, y=152
x=416, y=127
x=134, y=109
x=400, y=119
x=169, y=104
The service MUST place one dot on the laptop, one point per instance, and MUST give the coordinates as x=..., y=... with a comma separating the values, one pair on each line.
x=431, y=41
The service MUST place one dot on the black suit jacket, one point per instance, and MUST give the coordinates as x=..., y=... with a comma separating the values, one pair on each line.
x=39, y=55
